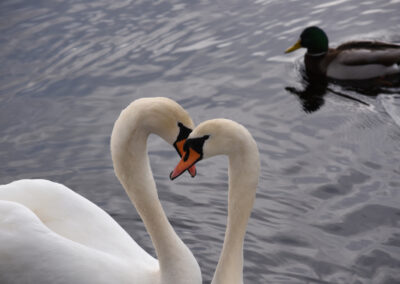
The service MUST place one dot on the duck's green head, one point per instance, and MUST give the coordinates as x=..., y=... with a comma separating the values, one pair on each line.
x=312, y=38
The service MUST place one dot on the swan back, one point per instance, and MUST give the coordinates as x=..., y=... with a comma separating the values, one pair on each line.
x=71, y=216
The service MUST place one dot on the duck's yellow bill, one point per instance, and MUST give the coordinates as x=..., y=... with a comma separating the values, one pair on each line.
x=297, y=45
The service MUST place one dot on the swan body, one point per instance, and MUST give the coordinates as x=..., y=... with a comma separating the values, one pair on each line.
x=355, y=60
x=226, y=137
x=50, y=234
x=56, y=243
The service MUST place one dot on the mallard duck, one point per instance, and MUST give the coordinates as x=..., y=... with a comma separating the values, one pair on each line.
x=355, y=60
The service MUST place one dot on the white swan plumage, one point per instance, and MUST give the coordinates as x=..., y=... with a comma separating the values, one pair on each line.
x=50, y=234
x=226, y=137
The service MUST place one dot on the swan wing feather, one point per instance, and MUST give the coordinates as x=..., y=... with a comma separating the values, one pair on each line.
x=72, y=216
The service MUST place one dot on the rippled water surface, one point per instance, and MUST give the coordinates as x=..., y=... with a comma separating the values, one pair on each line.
x=327, y=208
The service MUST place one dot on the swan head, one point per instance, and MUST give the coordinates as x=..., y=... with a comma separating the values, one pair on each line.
x=211, y=138
x=161, y=116
x=226, y=137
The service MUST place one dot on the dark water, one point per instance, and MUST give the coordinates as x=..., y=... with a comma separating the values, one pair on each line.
x=327, y=208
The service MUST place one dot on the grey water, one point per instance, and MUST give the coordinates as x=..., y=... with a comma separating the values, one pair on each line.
x=327, y=208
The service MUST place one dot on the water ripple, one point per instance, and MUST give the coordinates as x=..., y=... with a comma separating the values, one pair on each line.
x=327, y=204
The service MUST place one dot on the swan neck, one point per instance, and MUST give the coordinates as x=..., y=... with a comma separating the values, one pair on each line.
x=134, y=173
x=243, y=180
x=132, y=167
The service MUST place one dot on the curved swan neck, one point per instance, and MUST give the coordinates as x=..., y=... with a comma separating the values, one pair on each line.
x=132, y=167
x=243, y=179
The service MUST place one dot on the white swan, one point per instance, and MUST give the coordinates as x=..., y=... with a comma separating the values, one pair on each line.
x=222, y=136
x=49, y=234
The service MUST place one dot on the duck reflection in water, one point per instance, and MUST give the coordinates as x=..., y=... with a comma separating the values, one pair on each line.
x=316, y=87
x=312, y=96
